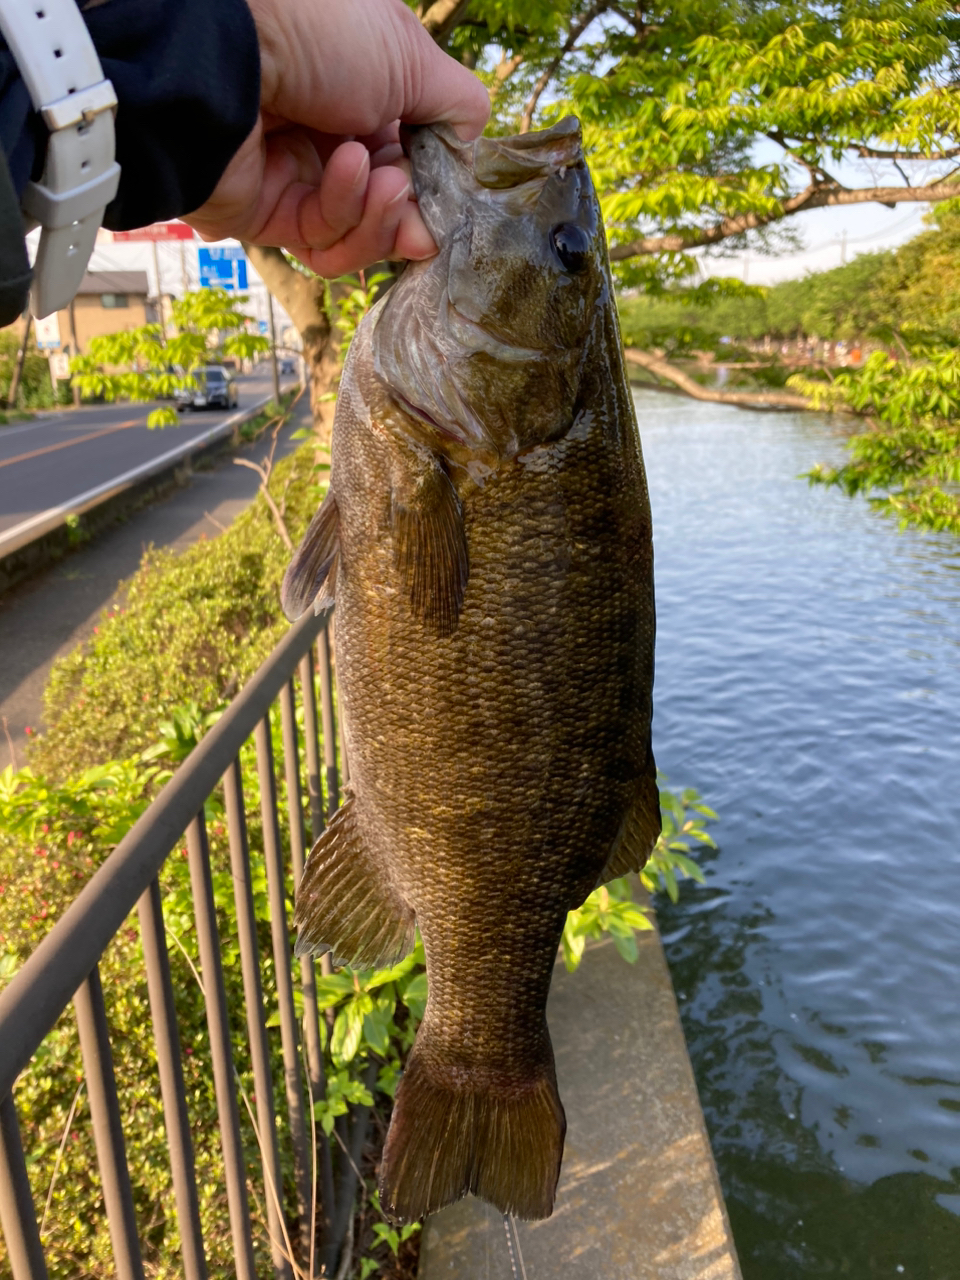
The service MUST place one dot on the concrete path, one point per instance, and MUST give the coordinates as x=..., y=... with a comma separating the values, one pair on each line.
x=638, y=1197
x=48, y=615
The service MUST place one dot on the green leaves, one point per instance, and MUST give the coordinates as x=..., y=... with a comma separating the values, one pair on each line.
x=611, y=908
x=707, y=122
x=911, y=447
x=141, y=364
x=343, y=1091
x=367, y=1004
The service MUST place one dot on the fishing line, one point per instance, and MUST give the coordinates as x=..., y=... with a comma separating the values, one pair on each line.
x=513, y=1247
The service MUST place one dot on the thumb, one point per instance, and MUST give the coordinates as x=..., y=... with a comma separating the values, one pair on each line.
x=440, y=90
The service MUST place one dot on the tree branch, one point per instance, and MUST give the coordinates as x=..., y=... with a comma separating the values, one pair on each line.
x=504, y=70
x=746, y=399
x=442, y=16
x=816, y=171
x=872, y=153
x=812, y=197
x=573, y=35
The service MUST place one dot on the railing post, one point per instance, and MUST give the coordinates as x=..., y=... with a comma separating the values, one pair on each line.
x=170, y=1066
x=291, y=766
x=18, y=1217
x=279, y=930
x=311, y=741
x=107, y=1127
x=221, y=1052
x=256, y=1024
x=329, y=722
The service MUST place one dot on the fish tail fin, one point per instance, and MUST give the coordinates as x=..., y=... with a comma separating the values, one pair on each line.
x=501, y=1140
x=346, y=903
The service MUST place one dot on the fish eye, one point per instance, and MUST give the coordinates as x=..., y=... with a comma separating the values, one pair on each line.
x=571, y=244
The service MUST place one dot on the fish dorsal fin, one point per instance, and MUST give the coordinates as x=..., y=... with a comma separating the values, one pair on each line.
x=639, y=832
x=312, y=573
x=346, y=903
x=430, y=547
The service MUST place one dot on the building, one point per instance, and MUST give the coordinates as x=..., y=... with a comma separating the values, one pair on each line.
x=106, y=302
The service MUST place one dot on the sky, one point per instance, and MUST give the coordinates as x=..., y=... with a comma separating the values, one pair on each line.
x=834, y=235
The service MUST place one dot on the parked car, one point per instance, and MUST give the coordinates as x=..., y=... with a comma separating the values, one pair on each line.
x=216, y=388
x=287, y=366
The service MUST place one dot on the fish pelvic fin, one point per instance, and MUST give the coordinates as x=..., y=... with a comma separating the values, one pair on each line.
x=639, y=833
x=346, y=903
x=450, y=1136
x=430, y=549
x=312, y=573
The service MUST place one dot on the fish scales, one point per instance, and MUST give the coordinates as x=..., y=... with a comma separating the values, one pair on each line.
x=497, y=707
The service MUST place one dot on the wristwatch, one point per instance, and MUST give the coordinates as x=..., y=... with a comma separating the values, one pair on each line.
x=60, y=67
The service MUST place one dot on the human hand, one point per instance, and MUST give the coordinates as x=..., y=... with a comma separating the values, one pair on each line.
x=322, y=174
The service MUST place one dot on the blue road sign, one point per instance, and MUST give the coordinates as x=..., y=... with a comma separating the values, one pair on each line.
x=223, y=267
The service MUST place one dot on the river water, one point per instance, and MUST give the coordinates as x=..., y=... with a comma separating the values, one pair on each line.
x=808, y=684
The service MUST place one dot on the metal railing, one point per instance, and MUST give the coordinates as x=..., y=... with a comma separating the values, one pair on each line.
x=65, y=967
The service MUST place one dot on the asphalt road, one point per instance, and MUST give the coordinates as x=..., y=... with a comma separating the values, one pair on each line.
x=52, y=461
x=55, y=609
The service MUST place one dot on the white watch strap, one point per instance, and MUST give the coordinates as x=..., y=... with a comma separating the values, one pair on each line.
x=60, y=67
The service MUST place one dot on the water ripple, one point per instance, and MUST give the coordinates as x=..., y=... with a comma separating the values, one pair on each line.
x=808, y=683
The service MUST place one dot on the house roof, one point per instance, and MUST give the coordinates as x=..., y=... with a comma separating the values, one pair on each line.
x=115, y=282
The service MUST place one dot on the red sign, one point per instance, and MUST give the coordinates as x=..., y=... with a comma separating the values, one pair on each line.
x=157, y=231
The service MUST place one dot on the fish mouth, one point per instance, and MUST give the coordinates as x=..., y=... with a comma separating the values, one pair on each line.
x=498, y=163
x=448, y=173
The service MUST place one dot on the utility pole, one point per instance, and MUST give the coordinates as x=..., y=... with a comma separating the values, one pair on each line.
x=156, y=272
x=76, y=349
x=843, y=247
x=183, y=268
x=273, y=349
x=17, y=377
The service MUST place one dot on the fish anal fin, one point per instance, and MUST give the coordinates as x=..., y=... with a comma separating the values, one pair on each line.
x=430, y=548
x=449, y=1137
x=638, y=833
x=312, y=573
x=346, y=903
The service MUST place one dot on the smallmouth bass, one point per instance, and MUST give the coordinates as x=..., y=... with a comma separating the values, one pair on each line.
x=487, y=538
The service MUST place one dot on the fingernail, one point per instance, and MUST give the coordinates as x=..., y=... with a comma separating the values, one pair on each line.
x=399, y=200
x=362, y=176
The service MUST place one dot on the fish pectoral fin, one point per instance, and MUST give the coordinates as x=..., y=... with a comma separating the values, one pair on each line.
x=346, y=903
x=430, y=548
x=312, y=573
x=639, y=832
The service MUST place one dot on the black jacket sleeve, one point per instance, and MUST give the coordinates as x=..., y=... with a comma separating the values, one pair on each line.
x=187, y=79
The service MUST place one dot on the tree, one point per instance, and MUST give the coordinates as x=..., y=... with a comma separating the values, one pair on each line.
x=310, y=304
x=710, y=128
x=143, y=364
x=706, y=124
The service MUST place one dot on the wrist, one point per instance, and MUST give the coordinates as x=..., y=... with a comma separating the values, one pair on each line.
x=270, y=36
